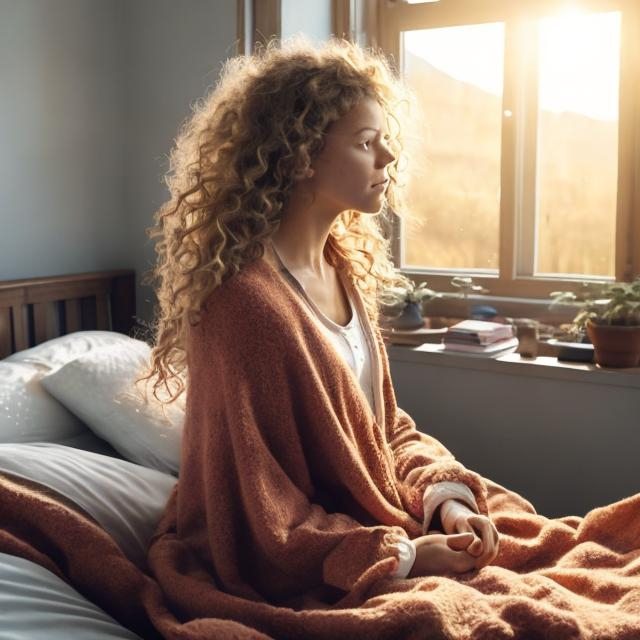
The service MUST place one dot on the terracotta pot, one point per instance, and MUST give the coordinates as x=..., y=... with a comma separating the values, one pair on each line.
x=615, y=346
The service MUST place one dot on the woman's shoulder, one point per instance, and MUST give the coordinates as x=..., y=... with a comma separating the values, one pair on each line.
x=253, y=294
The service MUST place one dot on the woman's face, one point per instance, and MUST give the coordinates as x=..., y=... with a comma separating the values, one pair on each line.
x=353, y=161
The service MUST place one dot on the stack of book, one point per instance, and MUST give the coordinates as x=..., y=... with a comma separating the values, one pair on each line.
x=481, y=337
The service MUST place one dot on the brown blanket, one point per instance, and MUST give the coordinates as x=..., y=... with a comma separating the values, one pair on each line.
x=289, y=489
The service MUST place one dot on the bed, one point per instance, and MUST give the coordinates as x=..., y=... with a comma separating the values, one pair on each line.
x=74, y=426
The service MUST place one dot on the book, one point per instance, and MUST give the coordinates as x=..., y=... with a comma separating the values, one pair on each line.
x=412, y=337
x=478, y=332
x=494, y=347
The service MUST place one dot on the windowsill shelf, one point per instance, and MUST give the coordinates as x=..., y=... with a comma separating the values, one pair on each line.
x=513, y=364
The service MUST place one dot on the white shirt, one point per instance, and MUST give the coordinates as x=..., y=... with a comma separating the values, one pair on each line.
x=349, y=340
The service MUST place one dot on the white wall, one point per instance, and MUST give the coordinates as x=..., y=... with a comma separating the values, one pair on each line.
x=61, y=137
x=566, y=446
x=174, y=54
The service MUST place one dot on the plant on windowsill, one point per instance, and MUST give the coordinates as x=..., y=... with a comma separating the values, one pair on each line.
x=466, y=286
x=610, y=316
x=402, y=305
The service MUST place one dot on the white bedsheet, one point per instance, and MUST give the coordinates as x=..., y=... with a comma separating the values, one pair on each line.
x=37, y=605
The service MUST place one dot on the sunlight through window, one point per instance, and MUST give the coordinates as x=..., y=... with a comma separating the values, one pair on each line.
x=579, y=73
x=454, y=181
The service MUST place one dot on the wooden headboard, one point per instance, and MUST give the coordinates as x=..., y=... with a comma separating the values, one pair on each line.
x=38, y=309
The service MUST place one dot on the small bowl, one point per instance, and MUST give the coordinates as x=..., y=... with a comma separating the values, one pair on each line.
x=573, y=351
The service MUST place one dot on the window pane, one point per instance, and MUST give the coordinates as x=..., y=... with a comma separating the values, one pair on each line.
x=578, y=143
x=454, y=154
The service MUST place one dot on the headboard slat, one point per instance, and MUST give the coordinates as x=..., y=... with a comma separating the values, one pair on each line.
x=102, y=312
x=5, y=332
x=72, y=316
x=45, y=321
x=20, y=330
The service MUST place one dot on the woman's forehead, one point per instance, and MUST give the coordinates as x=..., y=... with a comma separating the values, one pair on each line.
x=366, y=114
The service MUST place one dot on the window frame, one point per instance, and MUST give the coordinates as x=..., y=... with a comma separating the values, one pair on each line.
x=515, y=277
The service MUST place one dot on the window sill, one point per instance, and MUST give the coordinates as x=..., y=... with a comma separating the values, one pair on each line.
x=514, y=364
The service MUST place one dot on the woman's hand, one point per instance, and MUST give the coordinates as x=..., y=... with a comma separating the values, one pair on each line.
x=438, y=553
x=458, y=518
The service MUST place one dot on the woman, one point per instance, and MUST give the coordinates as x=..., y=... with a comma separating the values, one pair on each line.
x=308, y=504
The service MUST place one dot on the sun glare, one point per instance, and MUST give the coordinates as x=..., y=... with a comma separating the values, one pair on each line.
x=580, y=63
x=579, y=59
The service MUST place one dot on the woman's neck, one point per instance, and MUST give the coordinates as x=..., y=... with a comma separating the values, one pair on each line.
x=302, y=258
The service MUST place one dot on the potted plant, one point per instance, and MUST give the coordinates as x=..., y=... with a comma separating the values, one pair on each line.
x=403, y=303
x=466, y=286
x=610, y=316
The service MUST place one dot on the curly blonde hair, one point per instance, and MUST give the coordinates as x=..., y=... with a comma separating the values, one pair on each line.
x=235, y=163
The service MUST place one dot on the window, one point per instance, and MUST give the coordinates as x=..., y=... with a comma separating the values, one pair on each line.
x=525, y=162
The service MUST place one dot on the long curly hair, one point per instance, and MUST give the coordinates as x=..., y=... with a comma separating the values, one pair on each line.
x=235, y=162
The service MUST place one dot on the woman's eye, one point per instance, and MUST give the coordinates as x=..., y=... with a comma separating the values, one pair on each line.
x=386, y=138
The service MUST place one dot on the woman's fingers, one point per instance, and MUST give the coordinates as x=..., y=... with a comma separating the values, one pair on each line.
x=457, y=552
x=489, y=536
x=460, y=560
x=442, y=558
x=439, y=553
x=476, y=547
x=459, y=541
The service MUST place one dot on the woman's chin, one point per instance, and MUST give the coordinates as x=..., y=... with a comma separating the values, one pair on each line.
x=368, y=205
x=374, y=208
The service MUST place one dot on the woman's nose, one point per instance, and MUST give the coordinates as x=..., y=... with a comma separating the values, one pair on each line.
x=387, y=157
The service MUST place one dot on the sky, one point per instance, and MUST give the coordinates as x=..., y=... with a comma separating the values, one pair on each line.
x=579, y=59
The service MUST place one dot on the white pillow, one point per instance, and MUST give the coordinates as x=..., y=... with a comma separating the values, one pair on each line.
x=126, y=499
x=98, y=388
x=27, y=412
x=55, y=353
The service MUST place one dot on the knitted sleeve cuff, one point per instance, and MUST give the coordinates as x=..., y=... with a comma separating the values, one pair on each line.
x=438, y=493
x=407, y=552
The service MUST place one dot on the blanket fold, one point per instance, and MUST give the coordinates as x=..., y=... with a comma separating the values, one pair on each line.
x=291, y=493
